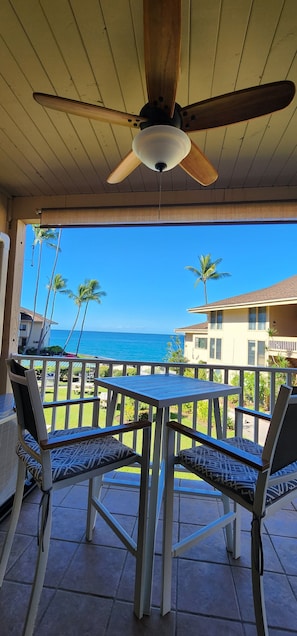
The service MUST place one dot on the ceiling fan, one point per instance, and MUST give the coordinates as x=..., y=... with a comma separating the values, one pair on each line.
x=162, y=142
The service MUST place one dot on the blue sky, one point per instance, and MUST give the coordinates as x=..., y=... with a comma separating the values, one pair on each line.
x=142, y=270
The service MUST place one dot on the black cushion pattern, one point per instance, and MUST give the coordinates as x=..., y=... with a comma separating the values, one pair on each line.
x=219, y=469
x=75, y=459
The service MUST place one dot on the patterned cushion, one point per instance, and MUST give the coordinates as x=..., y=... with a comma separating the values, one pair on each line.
x=75, y=459
x=219, y=469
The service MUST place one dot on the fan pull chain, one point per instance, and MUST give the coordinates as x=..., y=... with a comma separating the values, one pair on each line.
x=160, y=194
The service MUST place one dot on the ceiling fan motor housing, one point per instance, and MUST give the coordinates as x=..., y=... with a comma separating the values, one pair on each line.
x=156, y=115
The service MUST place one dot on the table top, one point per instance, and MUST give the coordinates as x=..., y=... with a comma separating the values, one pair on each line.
x=163, y=390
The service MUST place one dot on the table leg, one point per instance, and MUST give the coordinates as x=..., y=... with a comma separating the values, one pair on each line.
x=110, y=409
x=154, y=503
x=225, y=500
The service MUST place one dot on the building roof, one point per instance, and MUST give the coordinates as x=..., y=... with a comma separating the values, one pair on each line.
x=27, y=314
x=282, y=293
x=200, y=326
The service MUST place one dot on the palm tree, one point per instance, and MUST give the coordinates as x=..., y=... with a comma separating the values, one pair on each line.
x=56, y=286
x=87, y=292
x=207, y=271
x=44, y=328
x=93, y=294
x=41, y=236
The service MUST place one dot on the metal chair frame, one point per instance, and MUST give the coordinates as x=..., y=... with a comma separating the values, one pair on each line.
x=276, y=467
x=30, y=416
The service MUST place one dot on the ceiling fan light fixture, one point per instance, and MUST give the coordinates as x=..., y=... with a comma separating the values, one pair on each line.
x=161, y=147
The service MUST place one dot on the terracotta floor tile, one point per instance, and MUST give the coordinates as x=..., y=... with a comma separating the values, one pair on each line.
x=202, y=587
x=281, y=606
x=192, y=625
x=123, y=622
x=77, y=614
x=89, y=587
x=95, y=570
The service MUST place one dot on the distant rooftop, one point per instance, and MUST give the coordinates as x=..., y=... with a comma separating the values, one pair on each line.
x=200, y=326
x=283, y=293
x=27, y=314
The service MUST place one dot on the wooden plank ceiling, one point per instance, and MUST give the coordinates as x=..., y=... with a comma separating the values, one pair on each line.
x=92, y=50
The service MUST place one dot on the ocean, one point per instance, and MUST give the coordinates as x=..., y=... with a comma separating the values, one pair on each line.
x=150, y=347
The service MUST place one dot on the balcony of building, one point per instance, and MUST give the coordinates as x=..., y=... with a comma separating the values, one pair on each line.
x=89, y=586
x=285, y=347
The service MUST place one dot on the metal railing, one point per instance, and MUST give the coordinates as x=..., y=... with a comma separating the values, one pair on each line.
x=66, y=378
x=289, y=344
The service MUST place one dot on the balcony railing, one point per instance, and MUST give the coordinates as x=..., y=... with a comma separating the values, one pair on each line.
x=285, y=345
x=66, y=378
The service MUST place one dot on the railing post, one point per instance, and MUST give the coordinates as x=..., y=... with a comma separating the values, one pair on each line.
x=267, y=377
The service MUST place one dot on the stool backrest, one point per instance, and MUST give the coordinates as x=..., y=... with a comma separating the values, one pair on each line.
x=27, y=400
x=281, y=443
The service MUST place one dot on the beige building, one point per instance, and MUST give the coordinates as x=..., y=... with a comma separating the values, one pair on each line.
x=249, y=329
x=30, y=337
x=195, y=342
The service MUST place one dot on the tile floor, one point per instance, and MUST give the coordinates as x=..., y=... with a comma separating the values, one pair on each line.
x=89, y=587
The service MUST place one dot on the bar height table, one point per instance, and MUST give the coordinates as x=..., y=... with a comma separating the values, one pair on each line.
x=161, y=391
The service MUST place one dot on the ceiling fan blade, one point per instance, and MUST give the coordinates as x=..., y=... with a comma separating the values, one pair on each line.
x=91, y=111
x=239, y=106
x=198, y=166
x=127, y=165
x=162, y=44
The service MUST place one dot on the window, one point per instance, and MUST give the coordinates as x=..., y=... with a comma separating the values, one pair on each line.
x=212, y=348
x=215, y=348
x=259, y=348
x=252, y=318
x=260, y=313
x=219, y=319
x=260, y=353
x=200, y=343
x=216, y=319
x=23, y=327
x=251, y=352
x=218, y=348
x=262, y=318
